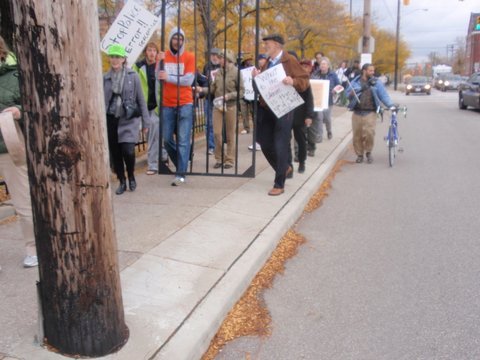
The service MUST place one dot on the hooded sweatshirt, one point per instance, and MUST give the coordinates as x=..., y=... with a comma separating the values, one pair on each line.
x=180, y=67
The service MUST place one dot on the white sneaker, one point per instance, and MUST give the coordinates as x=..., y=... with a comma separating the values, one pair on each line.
x=244, y=132
x=179, y=180
x=257, y=147
x=30, y=261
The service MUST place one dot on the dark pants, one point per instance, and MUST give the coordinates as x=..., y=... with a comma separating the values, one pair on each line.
x=300, y=136
x=273, y=135
x=121, y=154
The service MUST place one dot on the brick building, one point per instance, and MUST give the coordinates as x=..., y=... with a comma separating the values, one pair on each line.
x=472, y=61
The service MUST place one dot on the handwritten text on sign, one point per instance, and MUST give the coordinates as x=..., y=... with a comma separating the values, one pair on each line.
x=320, y=91
x=132, y=28
x=280, y=98
x=247, y=83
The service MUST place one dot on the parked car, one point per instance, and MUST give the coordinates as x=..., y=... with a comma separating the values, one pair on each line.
x=418, y=85
x=449, y=82
x=469, y=92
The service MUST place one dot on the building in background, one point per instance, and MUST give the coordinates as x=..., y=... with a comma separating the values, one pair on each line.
x=472, y=63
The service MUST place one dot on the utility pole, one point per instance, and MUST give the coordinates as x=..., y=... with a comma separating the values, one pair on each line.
x=397, y=46
x=367, y=6
x=64, y=112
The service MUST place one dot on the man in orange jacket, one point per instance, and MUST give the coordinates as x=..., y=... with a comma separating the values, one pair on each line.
x=177, y=76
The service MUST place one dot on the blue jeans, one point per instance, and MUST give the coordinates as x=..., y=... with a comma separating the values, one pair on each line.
x=153, y=141
x=209, y=124
x=179, y=152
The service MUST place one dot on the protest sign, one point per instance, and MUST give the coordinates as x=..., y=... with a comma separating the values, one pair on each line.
x=247, y=83
x=132, y=28
x=280, y=98
x=320, y=91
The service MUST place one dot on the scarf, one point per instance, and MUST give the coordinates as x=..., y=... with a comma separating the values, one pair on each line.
x=118, y=78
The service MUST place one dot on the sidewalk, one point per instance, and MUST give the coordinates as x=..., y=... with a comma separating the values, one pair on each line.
x=186, y=255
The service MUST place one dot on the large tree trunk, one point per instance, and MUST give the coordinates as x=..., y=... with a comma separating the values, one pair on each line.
x=58, y=52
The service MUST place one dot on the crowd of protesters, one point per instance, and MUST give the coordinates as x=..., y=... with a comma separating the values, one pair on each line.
x=133, y=105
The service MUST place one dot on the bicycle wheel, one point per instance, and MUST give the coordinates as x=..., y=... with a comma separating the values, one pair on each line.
x=391, y=146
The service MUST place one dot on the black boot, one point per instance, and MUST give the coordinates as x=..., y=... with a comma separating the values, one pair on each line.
x=132, y=184
x=121, y=188
x=301, y=168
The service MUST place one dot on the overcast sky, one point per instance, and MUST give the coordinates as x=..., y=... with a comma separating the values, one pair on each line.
x=424, y=31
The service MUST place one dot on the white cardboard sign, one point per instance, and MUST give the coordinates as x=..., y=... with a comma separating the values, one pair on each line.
x=247, y=83
x=320, y=91
x=280, y=98
x=132, y=28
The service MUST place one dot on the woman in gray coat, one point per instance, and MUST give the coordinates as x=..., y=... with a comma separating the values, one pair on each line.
x=122, y=87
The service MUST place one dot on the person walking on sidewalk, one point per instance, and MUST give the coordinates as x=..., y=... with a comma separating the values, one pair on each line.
x=273, y=133
x=15, y=176
x=146, y=72
x=325, y=116
x=227, y=89
x=366, y=94
x=177, y=76
x=122, y=91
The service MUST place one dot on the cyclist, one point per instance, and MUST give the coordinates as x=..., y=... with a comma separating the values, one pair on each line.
x=366, y=94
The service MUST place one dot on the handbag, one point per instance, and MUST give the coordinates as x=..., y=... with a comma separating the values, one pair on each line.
x=131, y=110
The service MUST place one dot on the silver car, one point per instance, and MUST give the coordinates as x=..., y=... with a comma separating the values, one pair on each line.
x=450, y=82
x=418, y=85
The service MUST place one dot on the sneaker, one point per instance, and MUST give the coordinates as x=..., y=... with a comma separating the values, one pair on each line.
x=257, y=147
x=243, y=132
x=311, y=153
x=211, y=151
x=228, y=166
x=359, y=159
x=30, y=261
x=179, y=180
x=329, y=136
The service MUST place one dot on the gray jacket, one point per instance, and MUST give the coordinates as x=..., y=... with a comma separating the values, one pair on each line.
x=128, y=130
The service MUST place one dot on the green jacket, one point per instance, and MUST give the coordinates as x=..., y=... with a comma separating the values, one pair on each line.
x=9, y=89
x=141, y=69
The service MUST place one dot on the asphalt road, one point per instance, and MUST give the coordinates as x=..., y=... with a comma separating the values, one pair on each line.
x=391, y=267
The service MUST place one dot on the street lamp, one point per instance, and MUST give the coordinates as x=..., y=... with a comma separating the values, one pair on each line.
x=397, y=41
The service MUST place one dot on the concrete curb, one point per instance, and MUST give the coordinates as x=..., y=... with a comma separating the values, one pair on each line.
x=194, y=336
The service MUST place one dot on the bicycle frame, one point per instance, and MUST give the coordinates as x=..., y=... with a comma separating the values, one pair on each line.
x=393, y=136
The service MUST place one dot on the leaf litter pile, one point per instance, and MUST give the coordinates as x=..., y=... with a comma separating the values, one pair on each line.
x=250, y=316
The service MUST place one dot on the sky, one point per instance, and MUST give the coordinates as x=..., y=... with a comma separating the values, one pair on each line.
x=424, y=31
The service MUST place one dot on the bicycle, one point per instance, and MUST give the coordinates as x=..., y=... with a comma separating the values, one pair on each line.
x=393, y=136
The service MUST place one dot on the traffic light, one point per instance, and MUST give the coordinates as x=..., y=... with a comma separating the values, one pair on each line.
x=477, y=25
x=406, y=2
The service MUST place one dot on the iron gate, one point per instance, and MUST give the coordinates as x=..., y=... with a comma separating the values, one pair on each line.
x=228, y=34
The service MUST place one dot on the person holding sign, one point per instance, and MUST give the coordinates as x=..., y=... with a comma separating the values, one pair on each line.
x=125, y=105
x=366, y=94
x=15, y=172
x=177, y=76
x=274, y=133
x=324, y=116
x=226, y=88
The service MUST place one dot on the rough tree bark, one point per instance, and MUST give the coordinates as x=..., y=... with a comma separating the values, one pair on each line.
x=60, y=67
